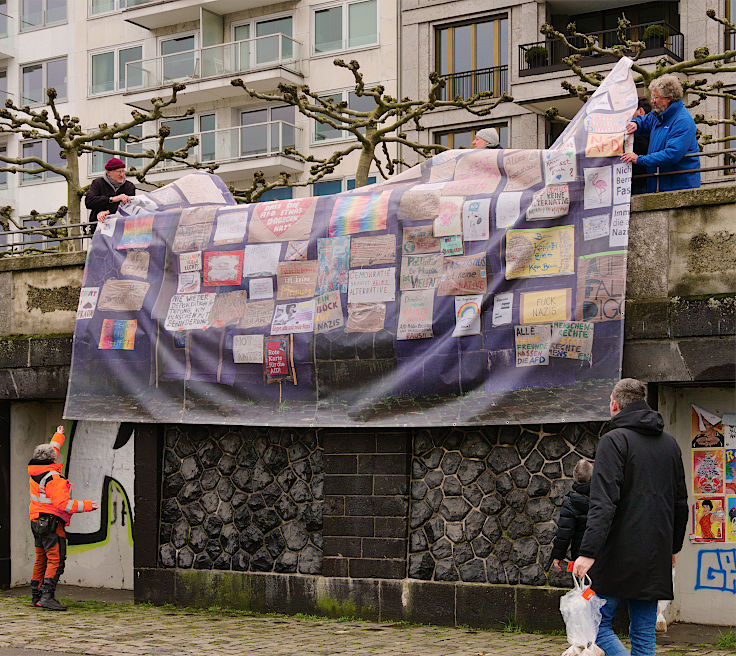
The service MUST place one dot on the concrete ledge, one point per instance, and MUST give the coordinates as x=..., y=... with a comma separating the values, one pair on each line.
x=49, y=261
x=664, y=200
x=423, y=602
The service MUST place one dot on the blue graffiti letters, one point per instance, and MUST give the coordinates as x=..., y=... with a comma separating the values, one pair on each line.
x=716, y=570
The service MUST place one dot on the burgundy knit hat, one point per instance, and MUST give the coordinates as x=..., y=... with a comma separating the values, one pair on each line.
x=114, y=163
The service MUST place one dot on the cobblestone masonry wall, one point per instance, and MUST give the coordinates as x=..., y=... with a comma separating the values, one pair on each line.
x=242, y=499
x=484, y=502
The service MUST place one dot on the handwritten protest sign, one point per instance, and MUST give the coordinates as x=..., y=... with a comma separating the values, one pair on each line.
x=452, y=245
x=605, y=145
x=540, y=253
x=476, y=217
x=621, y=183
x=532, y=345
x=189, y=311
x=228, y=309
x=118, y=334
x=597, y=187
x=508, y=208
x=87, y=302
x=420, y=239
x=248, y=349
x=200, y=189
x=188, y=283
x=372, y=285
x=463, y=275
x=572, y=340
x=282, y=220
x=619, y=235
x=328, y=309
x=195, y=215
x=190, y=262
x=257, y=314
x=467, y=315
x=296, y=250
x=595, y=227
x=277, y=362
x=449, y=216
x=474, y=171
x=333, y=257
x=367, y=251
x=601, y=286
x=135, y=264
x=359, y=213
x=420, y=271
x=523, y=169
x=123, y=295
x=260, y=288
x=503, y=306
x=365, y=317
x=606, y=123
x=193, y=237
x=230, y=228
x=296, y=279
x=560, y=165
x=415, y=314
x=419, y=205
x=222, y=268
x=261, y=260
x=549, y=203
x=137, y=233
x=546, y=306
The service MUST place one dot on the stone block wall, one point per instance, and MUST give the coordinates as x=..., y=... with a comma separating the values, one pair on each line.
x=366, y=503
x=241, y=498
x=484, y=502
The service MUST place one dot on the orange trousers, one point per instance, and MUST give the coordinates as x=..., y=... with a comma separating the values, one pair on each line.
x=50, y=554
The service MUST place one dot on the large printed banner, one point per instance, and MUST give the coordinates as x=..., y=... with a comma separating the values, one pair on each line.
x=479, y=287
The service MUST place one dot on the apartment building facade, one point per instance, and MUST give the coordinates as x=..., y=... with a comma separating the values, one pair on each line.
x=107, y=57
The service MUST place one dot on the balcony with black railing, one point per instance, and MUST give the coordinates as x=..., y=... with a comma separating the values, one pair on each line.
x=547, y=56
x=468, y=83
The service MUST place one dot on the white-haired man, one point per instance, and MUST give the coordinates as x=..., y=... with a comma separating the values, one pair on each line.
x=486, y=138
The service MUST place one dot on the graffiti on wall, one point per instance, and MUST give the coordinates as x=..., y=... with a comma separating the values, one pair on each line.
x=98, y=459
x=716, y=570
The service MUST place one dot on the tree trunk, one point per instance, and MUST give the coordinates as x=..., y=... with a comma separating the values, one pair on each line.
x=73, y=201
x=364, y=163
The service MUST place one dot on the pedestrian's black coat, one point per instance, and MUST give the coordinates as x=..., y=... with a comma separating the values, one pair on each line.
x=571, y=525
x=638, y=507
x=97, y=198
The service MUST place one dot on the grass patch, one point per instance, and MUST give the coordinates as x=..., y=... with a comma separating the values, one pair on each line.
x=726, y=640
x=511, y=627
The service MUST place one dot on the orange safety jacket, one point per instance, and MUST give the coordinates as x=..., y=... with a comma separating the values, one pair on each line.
x=51, y=493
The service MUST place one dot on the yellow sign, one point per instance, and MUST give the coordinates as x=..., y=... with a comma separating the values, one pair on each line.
x=540, y=253
x=546, y=306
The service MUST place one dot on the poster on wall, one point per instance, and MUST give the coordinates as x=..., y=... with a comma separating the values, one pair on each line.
x=708, y=471
x=707, y=428
x=731, y=519
x=709, y=520
x=488, y=272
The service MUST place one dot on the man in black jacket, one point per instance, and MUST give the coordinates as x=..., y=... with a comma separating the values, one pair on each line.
x=106, y=193
x=637, y=518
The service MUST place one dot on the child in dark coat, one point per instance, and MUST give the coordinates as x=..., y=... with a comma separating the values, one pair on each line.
x=573, y=514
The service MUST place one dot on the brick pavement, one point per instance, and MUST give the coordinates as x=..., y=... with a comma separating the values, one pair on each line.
x=102, y=629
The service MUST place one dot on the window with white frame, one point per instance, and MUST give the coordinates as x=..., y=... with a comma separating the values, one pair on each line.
x=264, y=41
x=179, y=58
x=107, y=69
x=267, y=130
x=202, y=127
x=36, y=78
x=4, y=18
x=46, y=150
x=345, y=25
x=41, y=13
x=329, y=187
x=324, y=132
x=97, y=159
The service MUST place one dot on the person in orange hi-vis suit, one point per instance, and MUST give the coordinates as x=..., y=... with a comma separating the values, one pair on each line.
x=51, y=509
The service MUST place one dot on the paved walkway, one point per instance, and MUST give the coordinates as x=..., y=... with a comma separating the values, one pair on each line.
x=116, y=629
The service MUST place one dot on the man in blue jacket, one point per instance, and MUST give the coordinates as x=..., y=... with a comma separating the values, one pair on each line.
x=671, y=132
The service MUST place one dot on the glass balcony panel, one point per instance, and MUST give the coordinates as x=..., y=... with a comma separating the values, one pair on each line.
x=254, y=140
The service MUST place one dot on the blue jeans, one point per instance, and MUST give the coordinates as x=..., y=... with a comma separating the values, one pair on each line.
x=643, y=615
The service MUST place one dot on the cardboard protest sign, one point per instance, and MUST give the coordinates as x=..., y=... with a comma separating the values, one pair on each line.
x=601, y=286
x=248, y=349
x=550, y=203
x=605, y=145
x=135, y=264
x=546, y=306
x=532, y=345
x=365, y=317
x=372, y=285
x=257, y=314
x=415, y=314
x=452, y=245
x=421, y=271
x=540, y=253
x=296, y=279
x=328, y=312
x=367, y=251
x=420, y=239
x=282, y=220
x=523, y=169
x=190, y=261
x=463, y=275
x=572, y=340
x=123, y=295
x=228, y=309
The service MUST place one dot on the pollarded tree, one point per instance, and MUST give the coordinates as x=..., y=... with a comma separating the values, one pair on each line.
x=66, y=134
x=702, y=70
x=373, y=130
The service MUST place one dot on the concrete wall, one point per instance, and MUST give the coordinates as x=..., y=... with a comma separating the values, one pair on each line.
x=700, y=596
x=100, y=549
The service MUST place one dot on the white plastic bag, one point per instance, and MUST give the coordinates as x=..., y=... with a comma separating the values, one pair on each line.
x=582, y=616
x=662, y=608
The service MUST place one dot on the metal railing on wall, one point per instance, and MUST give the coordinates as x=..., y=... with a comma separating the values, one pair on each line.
x=56, y=238
x=467, y=83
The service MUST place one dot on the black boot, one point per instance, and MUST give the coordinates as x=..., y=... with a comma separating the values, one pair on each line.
x=47, y=600
x=35, y=592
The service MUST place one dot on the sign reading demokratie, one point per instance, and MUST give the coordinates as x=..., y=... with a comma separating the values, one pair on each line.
x=479, y=287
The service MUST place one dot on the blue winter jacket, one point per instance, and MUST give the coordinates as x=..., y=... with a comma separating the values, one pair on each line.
x=671, y=136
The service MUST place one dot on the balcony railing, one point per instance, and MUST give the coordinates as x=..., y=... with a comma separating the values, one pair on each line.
x=468, y=83
x=213, y=61
x=98, y=7
x=546, y=56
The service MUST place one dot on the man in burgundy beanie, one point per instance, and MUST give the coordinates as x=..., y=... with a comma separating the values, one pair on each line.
x=107, y=192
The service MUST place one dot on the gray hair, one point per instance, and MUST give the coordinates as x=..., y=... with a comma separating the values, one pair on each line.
x=583, y=471
x=667, y=86
x=44, y=453
x=628, y=390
